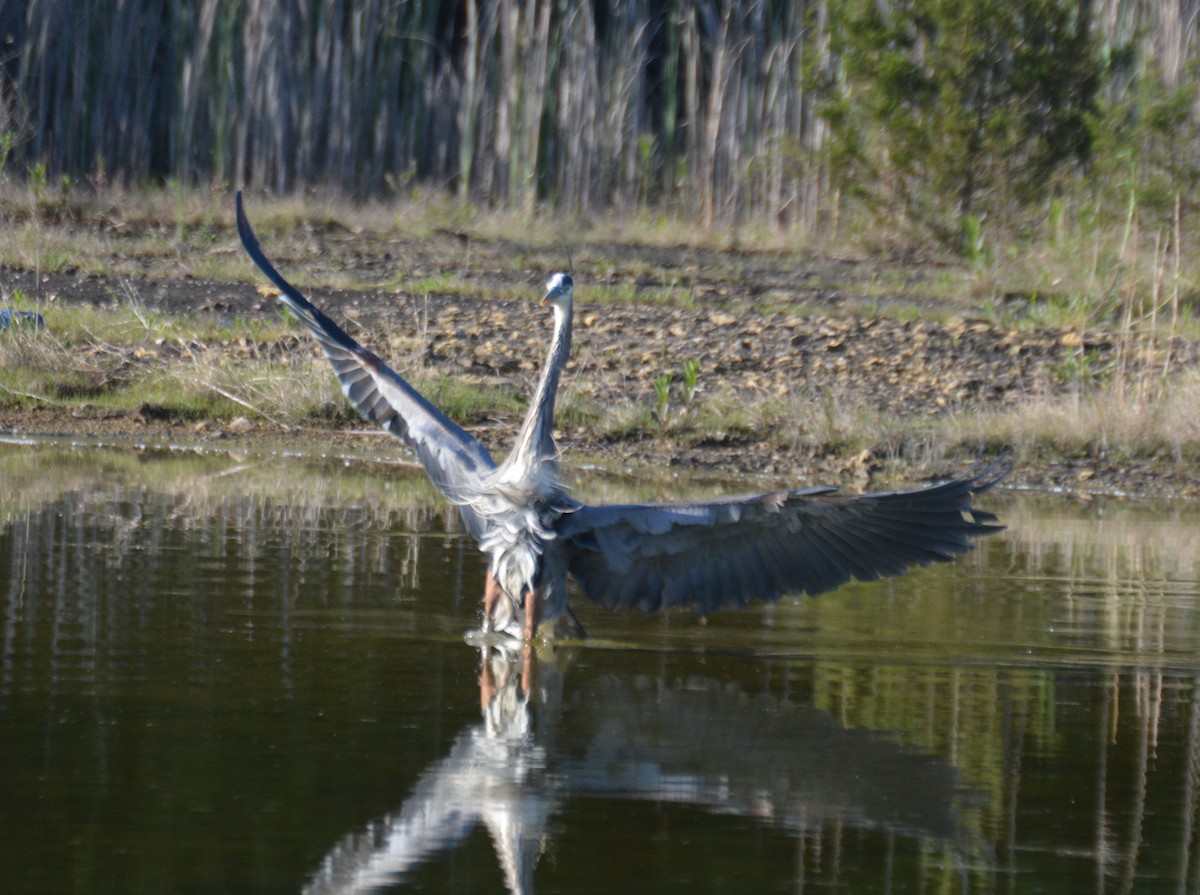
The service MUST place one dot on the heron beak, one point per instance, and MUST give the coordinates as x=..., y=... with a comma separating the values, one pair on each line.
x=546, y=298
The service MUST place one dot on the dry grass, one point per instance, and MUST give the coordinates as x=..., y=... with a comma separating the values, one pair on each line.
x=1138, y=282
x=1108, y=423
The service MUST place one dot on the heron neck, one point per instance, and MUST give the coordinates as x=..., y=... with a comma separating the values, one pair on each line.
x=537, y=432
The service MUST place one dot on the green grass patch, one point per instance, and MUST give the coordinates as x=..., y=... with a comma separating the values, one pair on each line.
x=465, y=400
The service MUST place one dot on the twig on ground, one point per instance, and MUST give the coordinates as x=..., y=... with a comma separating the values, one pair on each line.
x=236, y=400
x=42, y=398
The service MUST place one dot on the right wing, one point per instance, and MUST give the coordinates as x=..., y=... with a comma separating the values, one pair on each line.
x=454, y=459
x=724, y=553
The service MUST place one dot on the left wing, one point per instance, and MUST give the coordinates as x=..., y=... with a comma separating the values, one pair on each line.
x=725, y=553
x=454, y=459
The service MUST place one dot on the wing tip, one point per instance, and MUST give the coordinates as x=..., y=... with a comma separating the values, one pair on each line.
x=245, y=232
x=983, y=475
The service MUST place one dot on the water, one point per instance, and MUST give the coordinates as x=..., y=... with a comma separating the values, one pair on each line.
x=249, y=675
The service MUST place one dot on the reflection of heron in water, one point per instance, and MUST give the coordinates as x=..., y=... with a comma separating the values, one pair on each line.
x=641, y=739
x=707, y=555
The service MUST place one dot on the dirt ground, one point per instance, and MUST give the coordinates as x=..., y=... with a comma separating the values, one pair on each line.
x=822, y=337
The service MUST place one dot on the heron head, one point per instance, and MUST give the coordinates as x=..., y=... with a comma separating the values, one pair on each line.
x=558, y=289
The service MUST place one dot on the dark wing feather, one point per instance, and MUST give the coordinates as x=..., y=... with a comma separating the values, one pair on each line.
x=451, y=456
x=724, y=553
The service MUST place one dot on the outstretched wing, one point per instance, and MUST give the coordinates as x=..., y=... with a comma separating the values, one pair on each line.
x=453, y=458
x=725, y=553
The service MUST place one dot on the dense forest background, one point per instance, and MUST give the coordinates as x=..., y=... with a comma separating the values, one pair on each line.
x=934, y=113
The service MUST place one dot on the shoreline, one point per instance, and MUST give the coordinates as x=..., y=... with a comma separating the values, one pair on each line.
x=756, y=469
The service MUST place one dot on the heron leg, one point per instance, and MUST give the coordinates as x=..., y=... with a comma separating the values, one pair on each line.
x=531, y=613
x=491, y=593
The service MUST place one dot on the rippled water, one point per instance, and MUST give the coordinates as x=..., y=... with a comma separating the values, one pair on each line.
x=223, y=675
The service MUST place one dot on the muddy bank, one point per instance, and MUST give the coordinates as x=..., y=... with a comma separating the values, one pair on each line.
x=913, y=368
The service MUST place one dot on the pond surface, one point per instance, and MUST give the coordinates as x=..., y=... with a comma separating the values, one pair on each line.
x=224, y=675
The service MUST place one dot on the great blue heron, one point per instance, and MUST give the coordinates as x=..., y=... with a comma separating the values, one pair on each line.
x=706, y=554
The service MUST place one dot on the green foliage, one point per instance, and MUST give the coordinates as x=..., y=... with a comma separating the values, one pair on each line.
x=38, y=180
x=1149, y=139
x=973, y=242
x=662, y=393
x=1054, y=220
x=7, y=143
x=691, y=379
x=1083, y=368
x=956, y=108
